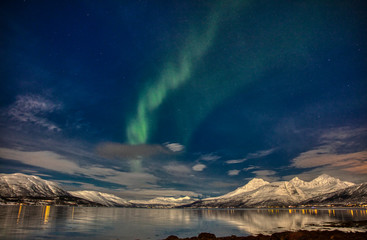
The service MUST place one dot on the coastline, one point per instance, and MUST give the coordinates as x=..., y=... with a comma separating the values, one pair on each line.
x=299, y=235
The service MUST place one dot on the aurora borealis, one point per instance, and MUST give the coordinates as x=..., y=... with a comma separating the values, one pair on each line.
x=175, y=73
x=144, y=99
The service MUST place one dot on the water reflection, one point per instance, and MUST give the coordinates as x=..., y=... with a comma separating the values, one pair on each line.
x=19, y=212
x=19, y=222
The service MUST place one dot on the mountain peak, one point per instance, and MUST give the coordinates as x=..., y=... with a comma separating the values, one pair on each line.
x=324, y=178
x=19, y=184
x=296, y=181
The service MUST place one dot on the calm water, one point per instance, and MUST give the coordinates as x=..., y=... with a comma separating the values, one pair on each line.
x=32, y=222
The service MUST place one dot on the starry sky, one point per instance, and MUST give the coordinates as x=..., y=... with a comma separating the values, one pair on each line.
x=173, y=98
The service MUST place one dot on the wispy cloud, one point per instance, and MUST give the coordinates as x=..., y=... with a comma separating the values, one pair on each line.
x=175, y=147
x=128, y=152
x=34, y=109
x=209, y=157
x=56, y=162
x=135, y=155
x=259, y=154
x=233, y=161
x=233, y=172
x=250, y=168
x=343, y=133
x=268, y=175
x=199, y=167
x=331, y=153
x=325, y=156
x=174, y=168
x=264, y=172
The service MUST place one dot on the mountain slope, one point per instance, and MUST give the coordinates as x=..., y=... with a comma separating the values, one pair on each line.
x=259, y=193
x=105, y=199
x=250, y=186
x=21, y=185
x=356, y=194
x=163, y=202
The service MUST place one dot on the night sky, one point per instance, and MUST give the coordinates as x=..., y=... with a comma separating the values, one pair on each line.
x=172, y=98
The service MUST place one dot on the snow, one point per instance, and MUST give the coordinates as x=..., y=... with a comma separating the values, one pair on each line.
x=20, y=185
x=105, y=199
x=168, y=201
x=256, y=193
x=250, y=186
x=356, y=194
x=262, y=193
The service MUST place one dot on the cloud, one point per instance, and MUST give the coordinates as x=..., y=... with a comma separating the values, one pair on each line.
x=234, y=172
x=341, y=174
x=128, y=152
x=209, y=157
x=221, y=184
x=259, y=154
x=34, y=109
x=199, y=167
x=250, y=168
x=174, y=168
x=175, y=147
x=342, y=133
x=331, y=154
x=55, y=162
x=236, y=161
x=267, y=175
x=44, y=159
x=324, y=156
x=260, y=173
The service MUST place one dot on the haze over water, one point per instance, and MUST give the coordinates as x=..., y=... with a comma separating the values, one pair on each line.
x=40, y=222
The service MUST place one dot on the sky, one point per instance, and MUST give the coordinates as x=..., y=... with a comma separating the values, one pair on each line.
x=182, y=98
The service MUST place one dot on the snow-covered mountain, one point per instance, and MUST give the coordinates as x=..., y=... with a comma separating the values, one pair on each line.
x=323, y=190
x=356, y=194
x=164, y=202
x=33, y=190
x=105, y=199
x=250, y=186
x=22, y=185
x=260, y=193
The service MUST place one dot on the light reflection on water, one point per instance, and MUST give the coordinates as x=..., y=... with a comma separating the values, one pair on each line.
x=40, y=222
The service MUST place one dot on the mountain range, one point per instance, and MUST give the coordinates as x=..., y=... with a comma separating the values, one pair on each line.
x=323, y=190
x=33, y=190
x=163, y=202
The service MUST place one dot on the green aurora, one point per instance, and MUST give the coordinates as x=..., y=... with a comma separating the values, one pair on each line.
x=175, y=74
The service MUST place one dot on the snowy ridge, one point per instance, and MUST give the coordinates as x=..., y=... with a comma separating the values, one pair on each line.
x=21, y=185
x=105, y=199
x=250, y=186
x=283, y=193
x=165, y=201
x=29, y=189
x=356, y=194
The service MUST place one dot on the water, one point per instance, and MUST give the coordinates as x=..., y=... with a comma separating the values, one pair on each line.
x=49, y=222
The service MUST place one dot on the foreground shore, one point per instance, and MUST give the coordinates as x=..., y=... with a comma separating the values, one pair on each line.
x=300, y=235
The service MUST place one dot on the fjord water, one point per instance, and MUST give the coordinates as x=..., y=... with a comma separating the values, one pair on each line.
x=50, y=222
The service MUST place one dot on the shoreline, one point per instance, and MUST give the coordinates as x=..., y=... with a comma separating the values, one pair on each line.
x=298, y=235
